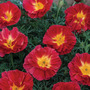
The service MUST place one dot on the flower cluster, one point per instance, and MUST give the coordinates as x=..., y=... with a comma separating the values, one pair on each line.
x=44, y=62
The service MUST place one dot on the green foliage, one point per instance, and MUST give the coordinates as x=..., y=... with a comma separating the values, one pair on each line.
x=35, y=30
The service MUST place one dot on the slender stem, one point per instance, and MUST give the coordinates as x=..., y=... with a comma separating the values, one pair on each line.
x=73, y=3
x=11, y=55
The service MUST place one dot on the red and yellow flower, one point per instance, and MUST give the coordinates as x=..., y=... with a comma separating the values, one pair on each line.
x=9, y=14
x=80, y=68
x=42, y=63
x=16, y=80
x=60, y=38
x=66, y=86
x=78, y=17
x=37, y=8
x=12, y=41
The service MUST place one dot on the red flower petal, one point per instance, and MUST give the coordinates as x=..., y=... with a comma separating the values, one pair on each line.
x=66, y=86
x=5, y=33
x=14, y=33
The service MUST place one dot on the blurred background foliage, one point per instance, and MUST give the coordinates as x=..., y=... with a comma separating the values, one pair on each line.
x=35, y=30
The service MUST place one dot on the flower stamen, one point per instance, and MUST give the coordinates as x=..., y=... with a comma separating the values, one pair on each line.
x=59, y=39
x=14, y=87
x=85, y=68
x=9, y=42
x=38, y=5
x=8, y=16
x=80, y=18
x=44, y=61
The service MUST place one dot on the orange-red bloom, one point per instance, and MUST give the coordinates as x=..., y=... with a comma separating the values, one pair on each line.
x=9, y=14
x=60, y=38
x=12, y=41
x=16, y=80
x=66, y=86
x=80, y=68
x=42, y=63
x=78, y=17
x=37, y=8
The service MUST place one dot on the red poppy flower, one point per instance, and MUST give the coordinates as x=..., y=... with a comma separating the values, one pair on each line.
x=66, y=86
x=77, y=0
x=9, y=14
x=12, y=41
x=60, y=38
x=16, y=80
x=80, y=68
x=37, y=8
x=42, y=63
x=78, y=17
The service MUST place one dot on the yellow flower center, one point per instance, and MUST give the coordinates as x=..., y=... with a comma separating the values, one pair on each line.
x=38, y=5
x=9, y=42
x=59, y=39
x=85, y=68
x=81, y=18
x=14, y=87
x=8, y=16
x=44, y=61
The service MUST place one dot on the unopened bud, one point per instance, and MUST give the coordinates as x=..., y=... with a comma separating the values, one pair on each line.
x=77, y=0
x=61, y=3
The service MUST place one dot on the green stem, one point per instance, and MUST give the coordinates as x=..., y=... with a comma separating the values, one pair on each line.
x=74, y=3
x=11, y=55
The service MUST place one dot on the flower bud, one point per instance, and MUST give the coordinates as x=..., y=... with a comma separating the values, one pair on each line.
x=77, y=0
